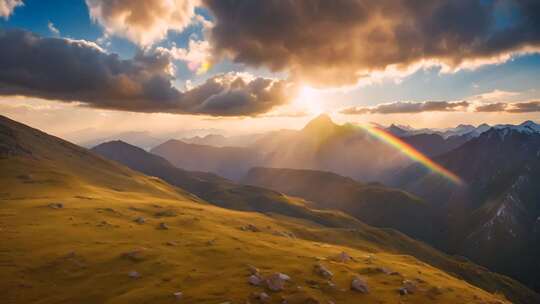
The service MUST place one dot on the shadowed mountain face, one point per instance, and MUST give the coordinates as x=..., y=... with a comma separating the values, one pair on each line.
x=495, y=218
x=105, y=233
x=374, y=204
x=433, y=145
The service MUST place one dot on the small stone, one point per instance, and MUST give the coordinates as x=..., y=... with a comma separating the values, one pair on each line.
x=263, y=297
x=253, y=269
x=178, y=295
x=276, y=282
x=171, y=243
x=134, y=255
x=255, y=280
x=140, y=220
x=134, y=274
x=409, y=287
x=343, y=257
x=56, y=205
x=360, y=285
x=250, y=227
x=323, y=271
x=163, y=226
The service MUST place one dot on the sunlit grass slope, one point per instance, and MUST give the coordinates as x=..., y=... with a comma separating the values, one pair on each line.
x=68, y=235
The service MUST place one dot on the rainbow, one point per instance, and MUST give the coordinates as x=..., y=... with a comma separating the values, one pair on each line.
x=412, y=153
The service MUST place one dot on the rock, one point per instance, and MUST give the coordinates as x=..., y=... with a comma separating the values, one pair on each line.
x=253, y=269
x=163, y=226
x=136, y=255
x=171, y=243
x=409, y=287
x=250, y=227
x=255, y=280
x=178, y=295
x=360, y=285
x=263, y=297
x=134, y=274
x=343, y=257
x=383, y=270
x=323, y=271
x=56, y=205
x=276, y=281
x=140, y=220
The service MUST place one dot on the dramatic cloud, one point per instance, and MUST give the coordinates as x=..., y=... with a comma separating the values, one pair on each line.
x=141, y=21
x=75, y=70
x=342, y=41
x=516, y=107
x=409, y=107
x=8, y=6
x=197, y=56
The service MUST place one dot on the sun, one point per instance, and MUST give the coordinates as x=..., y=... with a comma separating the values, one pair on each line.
x=309, y=100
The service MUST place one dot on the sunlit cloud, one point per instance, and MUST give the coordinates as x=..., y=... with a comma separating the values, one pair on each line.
x=409, y=107
x=143, y=22
x=8, y=6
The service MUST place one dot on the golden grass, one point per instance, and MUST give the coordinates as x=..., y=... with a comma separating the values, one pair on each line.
x=74, y=254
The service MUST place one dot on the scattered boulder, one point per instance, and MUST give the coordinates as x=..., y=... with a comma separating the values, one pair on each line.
x=343, y=257
x=136, y=255
x=276, y=281
x=255, y=280
x=387, y=271
x=56, y=205
x=163, y=226
x=359, y=284
x=171, y=243
x=323, y=271
x=263, y=297
x=140, y=220
x=178, y=295
x=250, y=227
x=134, y=274
x=253, y=269
x=409, y=287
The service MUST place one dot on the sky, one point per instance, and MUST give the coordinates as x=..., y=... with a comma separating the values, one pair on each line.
x=239, y=67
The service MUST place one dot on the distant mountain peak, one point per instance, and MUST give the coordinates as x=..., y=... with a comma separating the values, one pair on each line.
x=320, y=123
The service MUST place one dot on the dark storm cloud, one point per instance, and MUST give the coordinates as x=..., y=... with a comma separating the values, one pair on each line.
x=517, y=107
x=340, y=41
x=73, y=70
x=409, y=107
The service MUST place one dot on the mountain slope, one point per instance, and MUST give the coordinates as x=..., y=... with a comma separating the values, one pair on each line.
x=228, y=194
x=373, y=204
x=72, y=233
x=495, y=217
x=433, y=145
x=230, y=162
x=217, y=190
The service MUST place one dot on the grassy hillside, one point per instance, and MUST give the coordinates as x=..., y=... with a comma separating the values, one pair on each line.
x=69, y=235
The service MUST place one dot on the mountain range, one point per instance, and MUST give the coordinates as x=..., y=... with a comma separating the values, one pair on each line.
x=93, y=230
x=494, y=218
